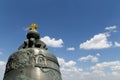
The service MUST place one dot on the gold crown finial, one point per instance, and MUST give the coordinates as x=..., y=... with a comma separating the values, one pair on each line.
x=33, y=26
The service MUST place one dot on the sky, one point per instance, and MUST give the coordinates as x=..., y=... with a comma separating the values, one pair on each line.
x=82, y=34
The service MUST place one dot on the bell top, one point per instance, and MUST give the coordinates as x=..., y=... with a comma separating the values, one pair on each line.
x=33, y=39
x=33, y=32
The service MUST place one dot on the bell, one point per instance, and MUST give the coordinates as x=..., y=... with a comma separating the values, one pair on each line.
x=32, y=61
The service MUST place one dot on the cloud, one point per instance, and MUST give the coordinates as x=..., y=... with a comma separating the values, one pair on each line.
x=70, y=71
x=63, y=63
x=117, y=44
x=89, y=58
x=98, y=54
x=113, y=65
x=2, y=69
x=98, y=41
x=2, y=63
x=111, y=28
x=115, y=68
x=52, y=42
x=69, y=66
x=71, y=49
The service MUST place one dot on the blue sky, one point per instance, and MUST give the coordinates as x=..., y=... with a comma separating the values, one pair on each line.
x=83, y=34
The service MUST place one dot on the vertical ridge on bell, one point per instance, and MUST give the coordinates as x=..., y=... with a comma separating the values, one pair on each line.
x=32, y=61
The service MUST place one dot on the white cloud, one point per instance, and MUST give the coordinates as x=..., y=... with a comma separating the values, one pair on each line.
x=113, y=65
x=117, y=44
x=111, y=28
x=89, y=58
x=97, y=72
x=69, y=69
x=63, y=63
x=2, y=69
x=68, y=66
x=98, y=54
x=99, y=41
x=117, y=67
x=111, y=70
x=52, y=42
x=71, y=49
x=2, y=63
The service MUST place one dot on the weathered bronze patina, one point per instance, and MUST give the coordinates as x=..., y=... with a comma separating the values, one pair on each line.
x=32, y=61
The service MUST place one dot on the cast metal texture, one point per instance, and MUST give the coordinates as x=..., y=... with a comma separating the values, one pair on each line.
x=32, y=62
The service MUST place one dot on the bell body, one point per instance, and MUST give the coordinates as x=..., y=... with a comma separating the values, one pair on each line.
x=32, y=64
